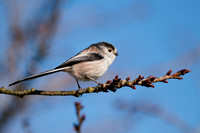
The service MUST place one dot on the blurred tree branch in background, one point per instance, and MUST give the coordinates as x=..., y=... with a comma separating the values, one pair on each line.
x=34, y=34
x=31, y=31
x=132, y=109
x=80, y=117
x=113, y=85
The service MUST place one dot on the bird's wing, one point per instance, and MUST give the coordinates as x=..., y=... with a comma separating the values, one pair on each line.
x=70, y=62
x=77, y=59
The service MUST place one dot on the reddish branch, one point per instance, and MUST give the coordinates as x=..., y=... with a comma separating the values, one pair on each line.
x=113, y=85
x=81, y=118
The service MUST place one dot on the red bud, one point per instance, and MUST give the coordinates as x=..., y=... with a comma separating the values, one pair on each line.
x=133, y=86
x=127, y=79
x=169, y=72
x=165, y=81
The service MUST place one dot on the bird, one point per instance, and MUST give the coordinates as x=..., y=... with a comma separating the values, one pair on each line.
x=88, y=65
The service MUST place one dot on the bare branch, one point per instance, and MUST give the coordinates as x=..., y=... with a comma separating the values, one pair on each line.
x=113, y=85
x=80, y=117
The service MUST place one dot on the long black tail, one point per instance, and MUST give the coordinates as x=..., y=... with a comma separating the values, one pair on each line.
x=38, y=75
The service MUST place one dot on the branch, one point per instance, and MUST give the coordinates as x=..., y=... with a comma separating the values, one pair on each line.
x=77, y=127
x=113, y=85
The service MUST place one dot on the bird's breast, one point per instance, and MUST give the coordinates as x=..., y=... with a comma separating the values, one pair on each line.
x=93, y=69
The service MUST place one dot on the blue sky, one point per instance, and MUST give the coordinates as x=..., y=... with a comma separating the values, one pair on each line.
x=152, y=37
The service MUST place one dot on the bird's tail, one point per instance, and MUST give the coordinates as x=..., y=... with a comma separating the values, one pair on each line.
x=38, y=75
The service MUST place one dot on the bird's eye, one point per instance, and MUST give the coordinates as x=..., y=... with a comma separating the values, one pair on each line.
x=109, y=50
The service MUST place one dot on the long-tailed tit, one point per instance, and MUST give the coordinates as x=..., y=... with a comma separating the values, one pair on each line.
x=88, y=65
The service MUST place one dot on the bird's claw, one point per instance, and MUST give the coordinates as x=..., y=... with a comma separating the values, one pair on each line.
x=79, y=92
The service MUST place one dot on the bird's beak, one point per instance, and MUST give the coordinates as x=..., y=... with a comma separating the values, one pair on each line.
x=116, y=54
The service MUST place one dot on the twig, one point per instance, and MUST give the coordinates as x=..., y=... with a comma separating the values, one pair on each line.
x=113, y=85
x=81, y=118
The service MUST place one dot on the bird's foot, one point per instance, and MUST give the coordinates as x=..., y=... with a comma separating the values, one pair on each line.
x=79, y=92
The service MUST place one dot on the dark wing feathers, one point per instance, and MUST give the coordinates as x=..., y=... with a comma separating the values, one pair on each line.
x=70, y=62
x=76, y=60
